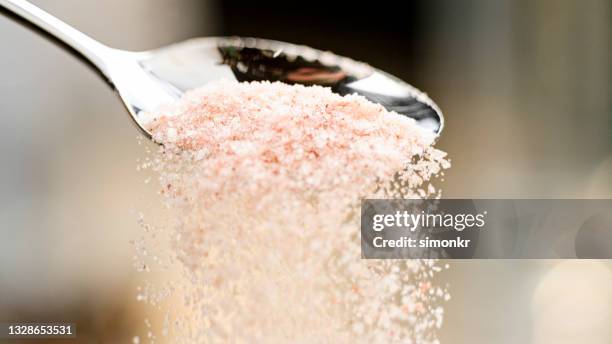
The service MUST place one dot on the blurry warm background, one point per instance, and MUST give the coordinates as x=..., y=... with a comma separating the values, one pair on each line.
x=525, y=86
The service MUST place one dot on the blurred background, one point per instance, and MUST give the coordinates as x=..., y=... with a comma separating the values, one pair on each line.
x=525, y=87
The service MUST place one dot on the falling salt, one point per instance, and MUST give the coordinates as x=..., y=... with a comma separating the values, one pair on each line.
x=264, y=181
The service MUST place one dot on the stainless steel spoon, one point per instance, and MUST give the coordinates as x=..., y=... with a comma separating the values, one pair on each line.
x=146, y=80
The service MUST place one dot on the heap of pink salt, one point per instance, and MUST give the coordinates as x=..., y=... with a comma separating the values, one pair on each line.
x=265, y=179
x=292, y=137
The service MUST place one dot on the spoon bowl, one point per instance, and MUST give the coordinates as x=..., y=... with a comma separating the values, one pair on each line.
x=147, y=80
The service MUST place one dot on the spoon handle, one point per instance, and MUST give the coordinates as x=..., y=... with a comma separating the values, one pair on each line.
x=84, y=47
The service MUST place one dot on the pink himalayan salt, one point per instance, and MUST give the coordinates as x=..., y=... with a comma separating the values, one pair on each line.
x=292, y=137
x=265, y=180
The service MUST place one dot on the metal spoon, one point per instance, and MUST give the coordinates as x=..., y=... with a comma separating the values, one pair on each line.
x=146, y=80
